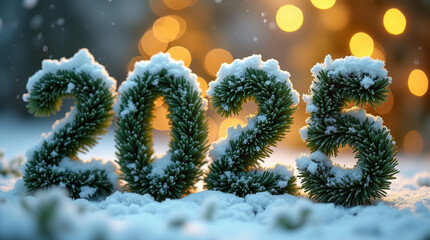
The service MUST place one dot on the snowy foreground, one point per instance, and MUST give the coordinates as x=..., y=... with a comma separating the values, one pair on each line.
x=403, y=214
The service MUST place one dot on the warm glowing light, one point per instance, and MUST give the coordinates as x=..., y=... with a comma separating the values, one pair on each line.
x=178, y=4
x=335, y=18
x=159, y=101
x=377, y=54
x=214, y=58
x=180, y=53
x=413, y=142
x=198, y=43
x=289, y=18
x=302, y=61
x=227, y=123
x=203, y=85
x=378, y=51
x=160, y=121
x=361, y=44
x=158, y=7
x=150, y=45
x=133, y=61
x=213, y=130
x=182, y=25
x=323, y=4
x=394, y=21
x=166, y=29
x=418, y=82
x=387, y=106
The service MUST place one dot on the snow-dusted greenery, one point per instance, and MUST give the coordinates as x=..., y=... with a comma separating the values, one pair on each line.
x=53, y=161
x=10, y=167
x=174, y=174
x=236, y=159
x=403, y=214
x=235, y=166
x=362, y=81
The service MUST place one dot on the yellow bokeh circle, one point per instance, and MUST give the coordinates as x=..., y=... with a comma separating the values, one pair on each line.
x=413, y=142
x=289, y=18
x=227, y=123
x=203, y=85
x=394, y=21
x=214, y=58
x=180, y=53
x=168, y=28
x=361, y=44
x=418, y=82
x=150, y=45
x=323, y=4
x=178, y=4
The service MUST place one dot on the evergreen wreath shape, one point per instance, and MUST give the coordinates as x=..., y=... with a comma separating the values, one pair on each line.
x=236, y=159
x=53, y=161
x=360, y=80
x=174, y=174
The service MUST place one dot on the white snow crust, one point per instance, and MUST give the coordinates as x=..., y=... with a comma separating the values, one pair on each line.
x=344, y=66
x=160, y=164
x=94, y=163
x=366, y=82
x=306, y=162
x=219, y=147
x=238, y=67
x=154, y=66
x=82, y=61
x=422, y=179
x=213, y=215
x=366, y=68
x=403, y=214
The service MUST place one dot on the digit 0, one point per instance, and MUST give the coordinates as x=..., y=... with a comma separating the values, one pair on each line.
x=175, y=173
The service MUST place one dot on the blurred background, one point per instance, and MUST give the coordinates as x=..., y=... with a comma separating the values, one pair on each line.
x=205, y=34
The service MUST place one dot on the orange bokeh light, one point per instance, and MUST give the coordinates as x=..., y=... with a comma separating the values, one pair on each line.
x=178, y=4
x=361, y=44
x=150, y=45
x=214, y=58
x=413, y=142
x=335, y=18
x=198, y=43
x=180, y=53
x=168, y=28
x=289, y=18
x=387, y=106
x=227, y=123
x=160, y=121
x=213, y=130
x=394, y=21
x=203, y=85
x=133, y=62
x=418, y=82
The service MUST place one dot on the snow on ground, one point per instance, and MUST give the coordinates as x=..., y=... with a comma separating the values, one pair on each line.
x=403, y=214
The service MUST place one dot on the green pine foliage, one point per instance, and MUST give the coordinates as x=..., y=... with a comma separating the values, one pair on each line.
x=181, y=167
x=235, y=169
x=94, y=112
x=11, y=167
x=91, y=118
x=332, y=127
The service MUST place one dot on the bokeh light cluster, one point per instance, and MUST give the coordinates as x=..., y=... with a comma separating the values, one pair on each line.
x=204, y=34
x=169, y=29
